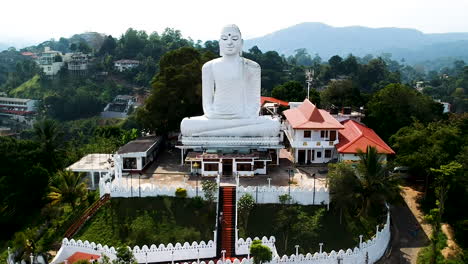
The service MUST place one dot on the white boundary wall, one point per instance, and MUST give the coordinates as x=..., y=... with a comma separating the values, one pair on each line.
x=261, y=194
x=270, y=195
x=144, y=254
x=147, y=191
x=243, y=246
x=374, y=249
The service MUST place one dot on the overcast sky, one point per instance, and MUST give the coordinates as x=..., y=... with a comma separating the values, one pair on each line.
x=36, y=20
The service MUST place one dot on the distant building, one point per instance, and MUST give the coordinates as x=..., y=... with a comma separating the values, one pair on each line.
x=138, y=154
x=312, y=133
x=96, y=168
x=123, y=65
x=77, y=62
x=270, y=105
x=347, y=113
x=50, y=61
x=120, y=107
x=356, y=136
x=445, y=105
x=21, y=110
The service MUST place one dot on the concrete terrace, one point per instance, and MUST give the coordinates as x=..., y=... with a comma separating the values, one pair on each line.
x=167, y=171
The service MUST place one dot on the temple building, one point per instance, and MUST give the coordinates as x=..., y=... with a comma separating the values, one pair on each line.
x=311, y=133
x=356, y=136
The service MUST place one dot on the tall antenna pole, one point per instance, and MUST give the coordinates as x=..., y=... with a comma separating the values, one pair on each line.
x=309, y=79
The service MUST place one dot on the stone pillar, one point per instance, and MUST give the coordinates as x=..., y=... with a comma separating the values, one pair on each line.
x=181, y=156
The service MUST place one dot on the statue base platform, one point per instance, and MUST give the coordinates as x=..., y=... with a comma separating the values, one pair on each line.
x=220, y=142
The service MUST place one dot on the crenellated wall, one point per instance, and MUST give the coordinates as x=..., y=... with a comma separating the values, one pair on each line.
x=270, y=195
x=144, y=254
x=243, y=246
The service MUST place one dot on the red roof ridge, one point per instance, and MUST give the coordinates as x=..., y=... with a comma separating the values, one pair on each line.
x=359, y=129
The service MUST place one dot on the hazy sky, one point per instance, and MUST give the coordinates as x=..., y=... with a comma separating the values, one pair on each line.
x=36, y=20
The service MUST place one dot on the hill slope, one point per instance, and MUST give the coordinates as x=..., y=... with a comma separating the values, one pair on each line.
x=327, y=41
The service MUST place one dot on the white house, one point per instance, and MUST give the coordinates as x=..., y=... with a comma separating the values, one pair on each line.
x=50, y=61
x=137, y=154
x=123, y=65
x=312, y=133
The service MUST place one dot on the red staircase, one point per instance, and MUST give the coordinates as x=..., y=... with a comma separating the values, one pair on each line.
x=227, y=225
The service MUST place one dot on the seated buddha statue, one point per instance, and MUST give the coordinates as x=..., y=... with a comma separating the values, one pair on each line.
x=230, y=95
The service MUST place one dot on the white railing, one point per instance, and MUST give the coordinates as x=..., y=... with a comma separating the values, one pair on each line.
x=144, y=254
x=270, y=195
x=148, y=191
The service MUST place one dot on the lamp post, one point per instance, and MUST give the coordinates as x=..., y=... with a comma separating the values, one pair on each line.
x=195, y=165
x=139, y=184
x=198, y=256
x=321, y=245
x=269, y=183
x=32, y=258
x=313, y=199
x=289, y=182
x=146, y=255
x=172, y=256
x=297, y=250
x=224, y=255
x=131, y=184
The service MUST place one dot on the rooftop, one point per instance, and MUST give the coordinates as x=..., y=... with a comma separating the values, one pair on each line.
x=81, y=256
x=142, y=144
x=265, y=99
x=309, y=116
x=96, y=162
x=356, y=136
x=18, y=100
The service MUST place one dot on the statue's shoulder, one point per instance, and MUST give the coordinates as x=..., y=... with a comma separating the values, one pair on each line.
x=210, y=63
x=251, y=64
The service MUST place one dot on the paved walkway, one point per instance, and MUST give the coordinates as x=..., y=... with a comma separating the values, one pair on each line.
x=167, y=171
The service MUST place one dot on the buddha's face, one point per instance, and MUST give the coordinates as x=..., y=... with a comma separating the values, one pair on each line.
x=230, y=42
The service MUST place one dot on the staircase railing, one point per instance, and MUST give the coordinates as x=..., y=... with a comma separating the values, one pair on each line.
x=86, y=215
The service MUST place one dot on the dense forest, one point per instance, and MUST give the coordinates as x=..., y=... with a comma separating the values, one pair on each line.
x=67, y=127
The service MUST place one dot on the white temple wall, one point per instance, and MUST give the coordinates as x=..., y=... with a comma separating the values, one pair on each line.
x=270, y=195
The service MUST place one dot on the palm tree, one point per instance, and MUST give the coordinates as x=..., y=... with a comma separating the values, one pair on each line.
x=49, y=136
x=376, y=184
x=67, y=187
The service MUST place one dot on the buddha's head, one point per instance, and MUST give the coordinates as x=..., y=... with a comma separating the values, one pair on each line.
x=230, y=42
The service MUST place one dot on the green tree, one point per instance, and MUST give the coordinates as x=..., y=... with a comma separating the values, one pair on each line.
x=49, y=136
x=67, y=187
x=343, y=185
x=260, y=252
x=245, y=204
x=340, y=94
x=396, y=106
x=291, y=91
x=108, y=46
x=209, y=190
x=176, y=92
x=125, y=256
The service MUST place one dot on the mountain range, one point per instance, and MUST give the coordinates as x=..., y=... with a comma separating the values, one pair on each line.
x=409, y=44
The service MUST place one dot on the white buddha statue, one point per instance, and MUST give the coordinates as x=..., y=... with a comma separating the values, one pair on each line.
x=231, y=95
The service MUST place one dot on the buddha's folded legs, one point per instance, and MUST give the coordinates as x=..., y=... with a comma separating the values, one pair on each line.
x=263, y=126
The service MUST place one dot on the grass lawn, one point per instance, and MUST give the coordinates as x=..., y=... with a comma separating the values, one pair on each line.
x=150, y=220
x=332, y=234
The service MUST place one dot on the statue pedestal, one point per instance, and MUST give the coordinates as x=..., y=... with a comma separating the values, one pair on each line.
x=226, y=142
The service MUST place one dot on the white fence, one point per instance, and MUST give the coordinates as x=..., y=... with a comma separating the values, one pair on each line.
x=261, y=194
x=243, y=246
x=367, y=252
x=147, y=191
x=144, y=254
x=270, y=195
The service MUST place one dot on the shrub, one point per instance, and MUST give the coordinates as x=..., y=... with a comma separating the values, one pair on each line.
x=285, y=198
x=181, y=193
x=209, y=189
x=260, y=252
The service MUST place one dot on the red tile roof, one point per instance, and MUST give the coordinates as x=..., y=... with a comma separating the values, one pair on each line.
x=265, y=99
x=356, y=136
x=309, y=116
x=81, y=255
